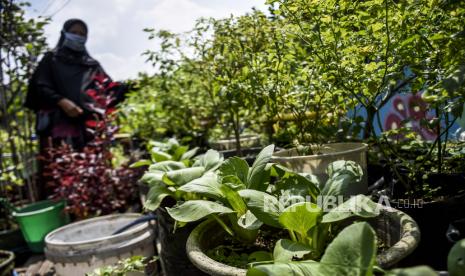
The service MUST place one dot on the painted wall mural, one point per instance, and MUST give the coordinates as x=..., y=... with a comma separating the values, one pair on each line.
x=407, y=109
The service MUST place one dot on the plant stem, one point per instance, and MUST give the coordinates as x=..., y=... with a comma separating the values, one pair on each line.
x=221, y=222
x=293, y=237
x=439, y=141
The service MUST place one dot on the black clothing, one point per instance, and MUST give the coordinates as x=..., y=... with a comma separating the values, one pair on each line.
x=76, y=76
x=61, y=74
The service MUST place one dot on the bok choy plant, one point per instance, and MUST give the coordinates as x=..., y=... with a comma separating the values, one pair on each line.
x=166, y=177
x=170, y=150
x=352, y=252
x=222, y=191
x=242, y=198
x=311, y=213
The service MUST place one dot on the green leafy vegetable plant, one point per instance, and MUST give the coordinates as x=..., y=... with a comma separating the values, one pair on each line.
x=170, y=150
x=123, y=267
x=310, y=212
x=243, y=198
x=223, y=191
x=352, y=252
x=166, y=177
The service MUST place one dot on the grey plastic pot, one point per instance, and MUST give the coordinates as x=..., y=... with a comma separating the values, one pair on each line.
x=394, y=228
x=327, y=153
x=247, y=141
x=81, y=247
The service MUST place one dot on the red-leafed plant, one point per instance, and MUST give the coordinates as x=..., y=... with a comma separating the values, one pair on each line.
x=86, y=178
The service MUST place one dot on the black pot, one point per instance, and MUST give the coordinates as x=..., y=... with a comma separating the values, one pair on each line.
x=376, y=171
x=173, y=257
x=13, y=240
x=434, y=218
x=248, y=154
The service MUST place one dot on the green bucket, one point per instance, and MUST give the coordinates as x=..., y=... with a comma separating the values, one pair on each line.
x=38, y=219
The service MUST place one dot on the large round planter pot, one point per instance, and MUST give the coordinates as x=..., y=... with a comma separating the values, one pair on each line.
x=172, y=246
x=6, y=262
x=247, y=141
x=316, y=164
x=395, y=229
x=81, y=247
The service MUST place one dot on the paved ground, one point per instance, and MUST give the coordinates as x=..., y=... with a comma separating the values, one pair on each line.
x=36, y=265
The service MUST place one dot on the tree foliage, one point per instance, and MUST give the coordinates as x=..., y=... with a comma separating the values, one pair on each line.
x=22, y=41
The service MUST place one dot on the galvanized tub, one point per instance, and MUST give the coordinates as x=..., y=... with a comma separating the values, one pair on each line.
x=81, y=247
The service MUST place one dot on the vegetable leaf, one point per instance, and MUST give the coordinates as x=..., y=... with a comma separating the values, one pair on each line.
x=194, y=210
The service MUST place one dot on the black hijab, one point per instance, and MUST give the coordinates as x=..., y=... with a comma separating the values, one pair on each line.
x=62, y=73
x=68, y=24
x=73, y=70
x=67, y=55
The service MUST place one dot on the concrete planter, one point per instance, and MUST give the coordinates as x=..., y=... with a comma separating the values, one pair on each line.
x=394, y=228
x=7, y=262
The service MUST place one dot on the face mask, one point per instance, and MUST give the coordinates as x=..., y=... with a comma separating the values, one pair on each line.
x=74, y=42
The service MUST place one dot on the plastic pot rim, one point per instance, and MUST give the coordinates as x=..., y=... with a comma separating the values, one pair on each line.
x=357, y=148
x=49, y=241
x=58, y=204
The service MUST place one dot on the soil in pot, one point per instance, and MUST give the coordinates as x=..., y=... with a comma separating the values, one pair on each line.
x=235, y=253
x=173, y=257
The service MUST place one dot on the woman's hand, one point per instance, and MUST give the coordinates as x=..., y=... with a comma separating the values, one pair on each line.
x=70, y=108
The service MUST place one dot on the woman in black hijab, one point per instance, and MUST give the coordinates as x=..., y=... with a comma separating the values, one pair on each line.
x=57, y=91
